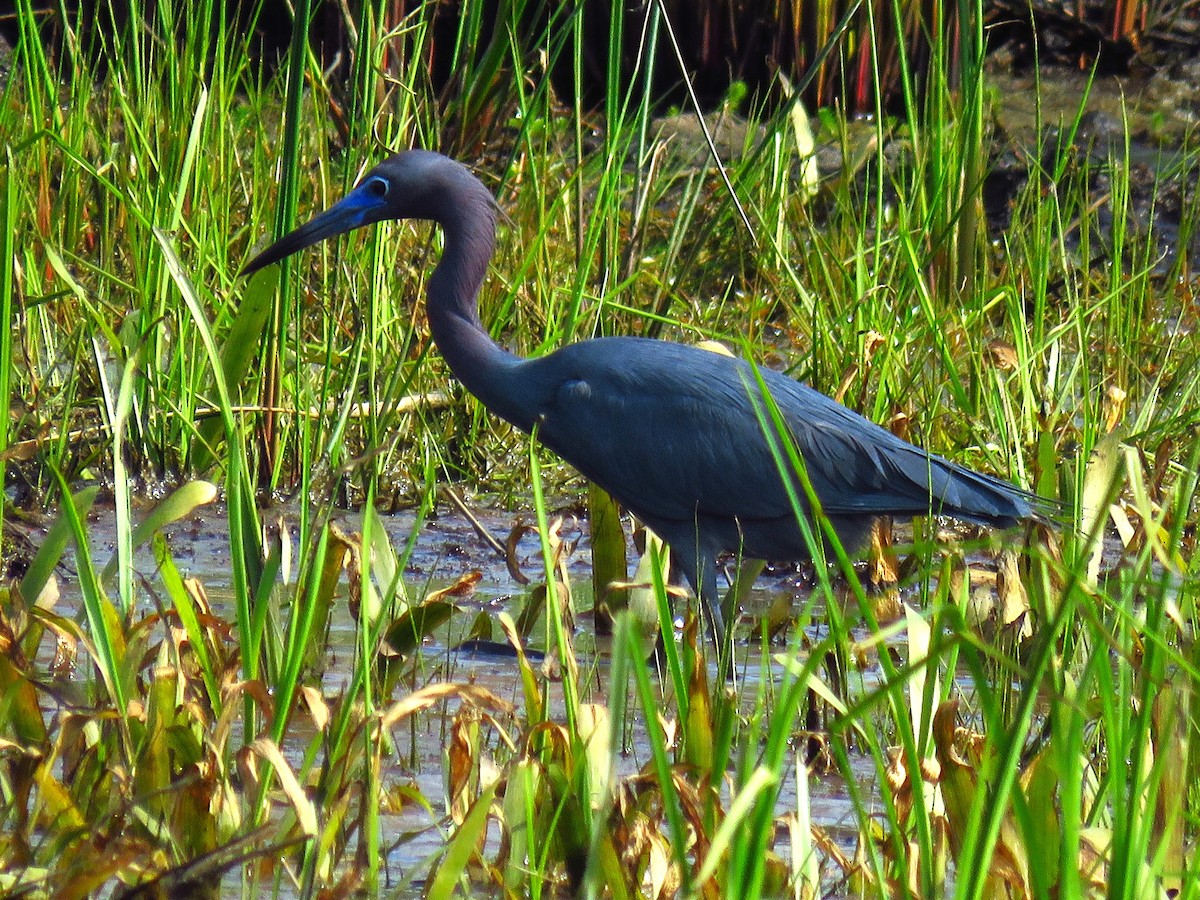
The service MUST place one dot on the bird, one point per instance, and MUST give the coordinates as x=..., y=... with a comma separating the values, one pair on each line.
x=673, y=432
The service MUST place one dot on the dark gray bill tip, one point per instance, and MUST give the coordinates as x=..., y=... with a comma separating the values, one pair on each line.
x=361, y=206
x=291, y=243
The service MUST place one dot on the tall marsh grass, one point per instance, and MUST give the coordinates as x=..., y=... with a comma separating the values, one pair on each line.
x=1019, y=724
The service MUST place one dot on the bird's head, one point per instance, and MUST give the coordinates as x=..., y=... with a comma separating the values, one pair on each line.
x=414, y=184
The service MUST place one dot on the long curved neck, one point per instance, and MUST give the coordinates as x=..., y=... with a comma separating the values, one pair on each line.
x=485, y=369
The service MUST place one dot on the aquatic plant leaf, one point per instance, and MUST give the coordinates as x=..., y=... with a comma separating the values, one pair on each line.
x=698, y=725
x=435, y=693
x=748, y=570
x=1008, y=872
x=535, y=702
x=20, y=713
x=24, y=881
x=595, y=734
x=54, y=544
x=810, y=178
x=1101, y=481
x=341, y=555
x=612, y=871
x=566, y=820
x=511, y=547
x=106, y=633
x=1095, y=854
x=958, y=779
x=805, y=863
x=1158, y=537
x=463, y=586
x=245, y=533
x=462, y=763
x=1039, y=785
x=57, y=809
x=152, y=775
x=520, y=806
x=1014, y=600
x=923, y=692
x=462, y=848
x=608, y=556
x=405, y=634
x=87, y=869
x=386, y=569
x=531, y=611
x=761, y=779
x=642, y=600
x=482, y=627
x=662, y=868
x=1172, y=737
x=240, y=348
x=306, y=814
x=190, y=602
x=181, y=502
x=349, y=559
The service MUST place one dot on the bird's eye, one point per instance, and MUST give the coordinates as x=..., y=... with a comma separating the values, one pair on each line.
x=378, y=187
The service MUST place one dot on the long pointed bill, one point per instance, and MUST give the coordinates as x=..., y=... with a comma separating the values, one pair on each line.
x=360, y=207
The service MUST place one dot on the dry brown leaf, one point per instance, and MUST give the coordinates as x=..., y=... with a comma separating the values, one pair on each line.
x=434, y=693
x=306, y=813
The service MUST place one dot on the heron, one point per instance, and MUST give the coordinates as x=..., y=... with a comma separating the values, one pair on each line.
x=673, y=432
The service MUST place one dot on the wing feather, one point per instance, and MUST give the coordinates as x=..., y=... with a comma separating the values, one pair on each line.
x=672, y=429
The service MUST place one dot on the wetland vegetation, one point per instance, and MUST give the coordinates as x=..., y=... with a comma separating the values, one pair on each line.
x=1002, y=715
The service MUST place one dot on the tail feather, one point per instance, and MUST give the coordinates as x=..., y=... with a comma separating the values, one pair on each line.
x=916, y=484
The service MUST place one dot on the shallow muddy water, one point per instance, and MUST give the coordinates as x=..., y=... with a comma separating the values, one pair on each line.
x=447, y=548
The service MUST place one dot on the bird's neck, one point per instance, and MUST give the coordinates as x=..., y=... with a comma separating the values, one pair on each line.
x=483, y=366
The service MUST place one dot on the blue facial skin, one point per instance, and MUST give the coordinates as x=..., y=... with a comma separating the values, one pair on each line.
x=360, y=207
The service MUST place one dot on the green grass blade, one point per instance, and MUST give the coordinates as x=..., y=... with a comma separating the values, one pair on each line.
x=105, y=628
x=50, y=552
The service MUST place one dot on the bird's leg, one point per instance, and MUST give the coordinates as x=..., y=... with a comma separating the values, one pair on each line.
x=698, y=563
x=710, y=599
x=704, y=583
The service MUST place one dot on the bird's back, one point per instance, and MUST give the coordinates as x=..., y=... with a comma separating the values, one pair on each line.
x=673, y=432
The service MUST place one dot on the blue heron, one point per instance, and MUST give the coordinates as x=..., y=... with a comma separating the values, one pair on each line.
x=671, y=431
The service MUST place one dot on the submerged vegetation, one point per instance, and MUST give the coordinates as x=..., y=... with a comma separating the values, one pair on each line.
x=1010, y=717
